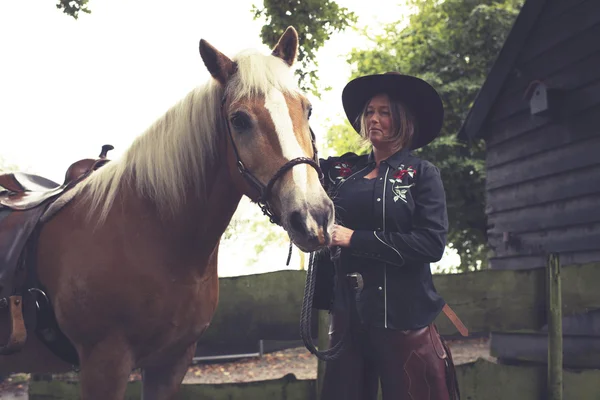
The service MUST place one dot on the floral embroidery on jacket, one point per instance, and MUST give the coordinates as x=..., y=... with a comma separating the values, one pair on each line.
x=340, y=171
x=399, y=185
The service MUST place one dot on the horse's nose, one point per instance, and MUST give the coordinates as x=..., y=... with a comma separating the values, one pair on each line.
x=313, y=226
x=297, y=222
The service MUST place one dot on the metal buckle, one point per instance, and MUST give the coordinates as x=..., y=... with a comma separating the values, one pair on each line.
x=360, y=284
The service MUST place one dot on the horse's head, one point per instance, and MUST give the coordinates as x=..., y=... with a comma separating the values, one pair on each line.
x=271, y=150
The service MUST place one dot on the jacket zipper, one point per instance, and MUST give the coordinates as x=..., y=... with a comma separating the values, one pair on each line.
x=385, y=265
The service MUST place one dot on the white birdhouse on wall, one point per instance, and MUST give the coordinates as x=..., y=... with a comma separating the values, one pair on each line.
x=543, y=100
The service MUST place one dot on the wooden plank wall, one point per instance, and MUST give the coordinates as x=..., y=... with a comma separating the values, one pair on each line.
x=543, y=174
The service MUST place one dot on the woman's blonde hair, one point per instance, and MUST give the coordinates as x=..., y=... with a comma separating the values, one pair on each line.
x=403, y=129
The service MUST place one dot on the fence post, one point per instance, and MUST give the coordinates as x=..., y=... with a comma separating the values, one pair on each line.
x=555, y=339
x=322, y=343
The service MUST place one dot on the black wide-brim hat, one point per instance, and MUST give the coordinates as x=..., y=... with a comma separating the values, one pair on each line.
x=419, y=96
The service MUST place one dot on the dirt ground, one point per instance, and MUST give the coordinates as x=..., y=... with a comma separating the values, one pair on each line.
x=270, y=366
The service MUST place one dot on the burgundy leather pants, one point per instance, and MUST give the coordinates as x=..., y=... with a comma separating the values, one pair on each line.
x=411, y=365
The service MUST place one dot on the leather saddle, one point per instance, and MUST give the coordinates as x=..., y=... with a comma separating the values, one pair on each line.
x=23, y=199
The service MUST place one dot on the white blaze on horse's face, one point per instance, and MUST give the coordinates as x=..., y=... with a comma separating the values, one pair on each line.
x=276, y=104
x=302, y=201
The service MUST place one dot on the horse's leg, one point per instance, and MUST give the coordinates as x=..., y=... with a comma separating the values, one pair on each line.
x=162, y=382
x=105, y=370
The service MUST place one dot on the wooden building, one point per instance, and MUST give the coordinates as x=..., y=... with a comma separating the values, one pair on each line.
x=539, y=114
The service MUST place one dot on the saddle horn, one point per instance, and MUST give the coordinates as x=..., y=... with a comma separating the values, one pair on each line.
x=105, y=149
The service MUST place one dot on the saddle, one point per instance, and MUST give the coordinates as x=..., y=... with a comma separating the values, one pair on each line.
x=23, y=199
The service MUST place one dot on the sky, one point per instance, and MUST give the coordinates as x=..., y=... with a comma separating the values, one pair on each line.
x=67, y=87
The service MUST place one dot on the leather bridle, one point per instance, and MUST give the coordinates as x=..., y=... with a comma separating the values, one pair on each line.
x=264, y=191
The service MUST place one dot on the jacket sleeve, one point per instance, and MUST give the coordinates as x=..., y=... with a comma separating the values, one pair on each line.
x=425, y=242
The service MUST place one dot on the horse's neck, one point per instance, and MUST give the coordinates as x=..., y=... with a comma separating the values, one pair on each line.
x=193, y=232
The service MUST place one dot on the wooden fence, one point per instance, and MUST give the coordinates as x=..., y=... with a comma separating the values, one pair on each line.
x=267, y=306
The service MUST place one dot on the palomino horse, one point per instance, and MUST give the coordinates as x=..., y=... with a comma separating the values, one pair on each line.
x=130, y=263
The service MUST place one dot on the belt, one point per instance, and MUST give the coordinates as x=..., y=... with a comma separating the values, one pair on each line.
x=357, y=283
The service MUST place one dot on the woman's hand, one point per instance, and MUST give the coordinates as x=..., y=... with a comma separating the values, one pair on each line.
x=340, y=236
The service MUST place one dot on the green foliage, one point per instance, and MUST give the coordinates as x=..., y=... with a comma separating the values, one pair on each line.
x=250, y=225
x=452, y=45
x=6, y=167
x=343, y=138
x=315, y=21
x=73, y=7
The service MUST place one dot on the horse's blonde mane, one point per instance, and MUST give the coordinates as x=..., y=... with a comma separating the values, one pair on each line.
x=175, y=152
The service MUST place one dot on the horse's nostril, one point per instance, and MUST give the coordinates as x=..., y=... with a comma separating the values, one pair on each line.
x=297, y=222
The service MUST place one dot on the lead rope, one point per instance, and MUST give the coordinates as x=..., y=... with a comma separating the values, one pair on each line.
x=306, y=315
x=287, y=263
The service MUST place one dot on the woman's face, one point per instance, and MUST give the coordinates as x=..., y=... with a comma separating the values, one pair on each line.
x=378, y=120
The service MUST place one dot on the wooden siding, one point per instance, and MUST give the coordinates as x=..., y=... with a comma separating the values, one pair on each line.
x=543, y=173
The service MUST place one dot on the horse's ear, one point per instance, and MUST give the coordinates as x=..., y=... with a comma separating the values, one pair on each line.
x=218, y=64
x=287, y=46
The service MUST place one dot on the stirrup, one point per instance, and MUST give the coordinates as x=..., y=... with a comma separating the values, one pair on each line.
x=18, y=333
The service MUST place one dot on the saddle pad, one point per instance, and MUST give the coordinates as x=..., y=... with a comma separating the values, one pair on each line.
x=15, y=229
x=60, y=202
x=3, y=213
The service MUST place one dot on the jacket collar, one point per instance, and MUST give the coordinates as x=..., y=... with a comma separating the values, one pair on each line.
x=394, y=161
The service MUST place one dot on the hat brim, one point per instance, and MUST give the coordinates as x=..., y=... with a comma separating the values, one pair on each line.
x=419, y=96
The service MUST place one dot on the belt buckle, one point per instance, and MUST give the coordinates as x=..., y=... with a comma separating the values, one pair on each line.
x=360, y=284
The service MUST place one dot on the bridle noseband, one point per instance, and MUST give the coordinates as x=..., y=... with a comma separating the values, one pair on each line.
x=264, y=191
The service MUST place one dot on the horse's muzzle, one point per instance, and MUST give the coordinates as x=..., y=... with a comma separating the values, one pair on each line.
x=309, y=230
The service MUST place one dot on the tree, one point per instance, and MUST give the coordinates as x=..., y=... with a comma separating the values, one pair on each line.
x=73, y=7
x=6, y=167
x=451, y=44
x=315, y=21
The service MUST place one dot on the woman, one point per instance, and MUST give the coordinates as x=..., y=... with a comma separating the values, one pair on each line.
x=391, y=223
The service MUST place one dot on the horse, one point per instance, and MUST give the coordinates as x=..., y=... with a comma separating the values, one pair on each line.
x=129, y=264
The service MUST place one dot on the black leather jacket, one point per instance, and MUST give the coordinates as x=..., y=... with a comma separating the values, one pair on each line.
x=400, y=224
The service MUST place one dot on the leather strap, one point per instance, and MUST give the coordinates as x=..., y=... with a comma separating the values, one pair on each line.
x=455, y=320
x=17, y=332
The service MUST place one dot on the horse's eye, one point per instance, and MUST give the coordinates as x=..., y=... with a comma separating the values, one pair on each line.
x=241, y=121
x=309, y=112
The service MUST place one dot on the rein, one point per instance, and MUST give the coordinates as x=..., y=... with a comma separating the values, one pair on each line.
x=306, y=313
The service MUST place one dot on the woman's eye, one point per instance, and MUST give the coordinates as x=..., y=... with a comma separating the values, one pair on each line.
x=241, y=122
